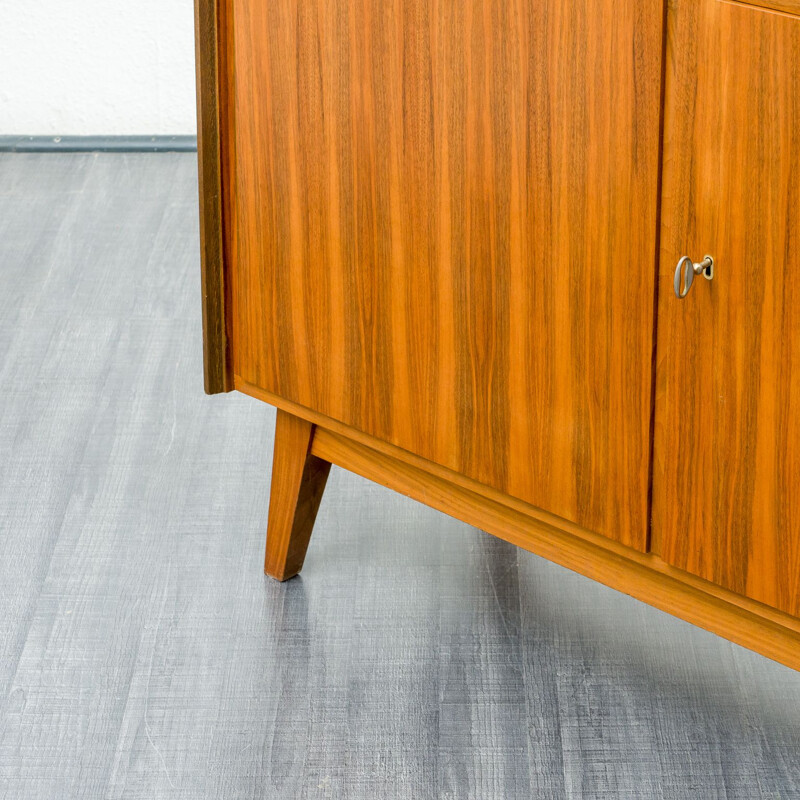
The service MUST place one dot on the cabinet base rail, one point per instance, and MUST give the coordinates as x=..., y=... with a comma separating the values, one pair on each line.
x=304, y=449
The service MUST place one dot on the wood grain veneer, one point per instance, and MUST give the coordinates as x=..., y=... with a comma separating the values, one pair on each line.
x=445, y=222
x=726, y=497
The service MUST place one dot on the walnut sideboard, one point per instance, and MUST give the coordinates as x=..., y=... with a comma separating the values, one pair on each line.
x=535, y=263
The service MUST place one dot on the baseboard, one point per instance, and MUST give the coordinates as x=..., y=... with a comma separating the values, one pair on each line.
x=98, y=144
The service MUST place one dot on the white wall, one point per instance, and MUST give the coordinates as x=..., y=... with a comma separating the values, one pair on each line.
x=96, y=67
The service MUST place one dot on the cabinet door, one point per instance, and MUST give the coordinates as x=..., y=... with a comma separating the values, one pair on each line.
x=444, y=217
x=726, y=495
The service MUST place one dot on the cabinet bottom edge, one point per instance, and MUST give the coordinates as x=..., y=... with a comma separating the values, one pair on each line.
x=644, y=576
x=749, y=627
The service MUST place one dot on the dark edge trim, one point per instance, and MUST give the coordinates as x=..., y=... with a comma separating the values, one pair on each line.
x=98, y=144
x=218, y=374
x=662, y=115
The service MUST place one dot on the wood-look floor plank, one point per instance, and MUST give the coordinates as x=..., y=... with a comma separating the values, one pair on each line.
x=143, y=654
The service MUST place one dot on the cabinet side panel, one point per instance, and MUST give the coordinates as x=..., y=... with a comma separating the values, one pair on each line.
x=218, y=377
x=445, y=234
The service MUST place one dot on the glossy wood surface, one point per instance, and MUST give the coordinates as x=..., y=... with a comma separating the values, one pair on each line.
x=443, y=222
x=298, y=481
x=726, y=495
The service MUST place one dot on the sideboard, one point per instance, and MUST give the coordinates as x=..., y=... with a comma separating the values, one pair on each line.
x=535, y=263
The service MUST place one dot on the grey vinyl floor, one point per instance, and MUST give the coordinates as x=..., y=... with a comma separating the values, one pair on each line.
x=143, y=654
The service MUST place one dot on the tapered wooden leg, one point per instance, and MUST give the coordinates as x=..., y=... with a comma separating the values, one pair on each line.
x=298, y=481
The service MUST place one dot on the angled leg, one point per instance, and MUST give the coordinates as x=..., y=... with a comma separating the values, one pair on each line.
x=298, y=481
